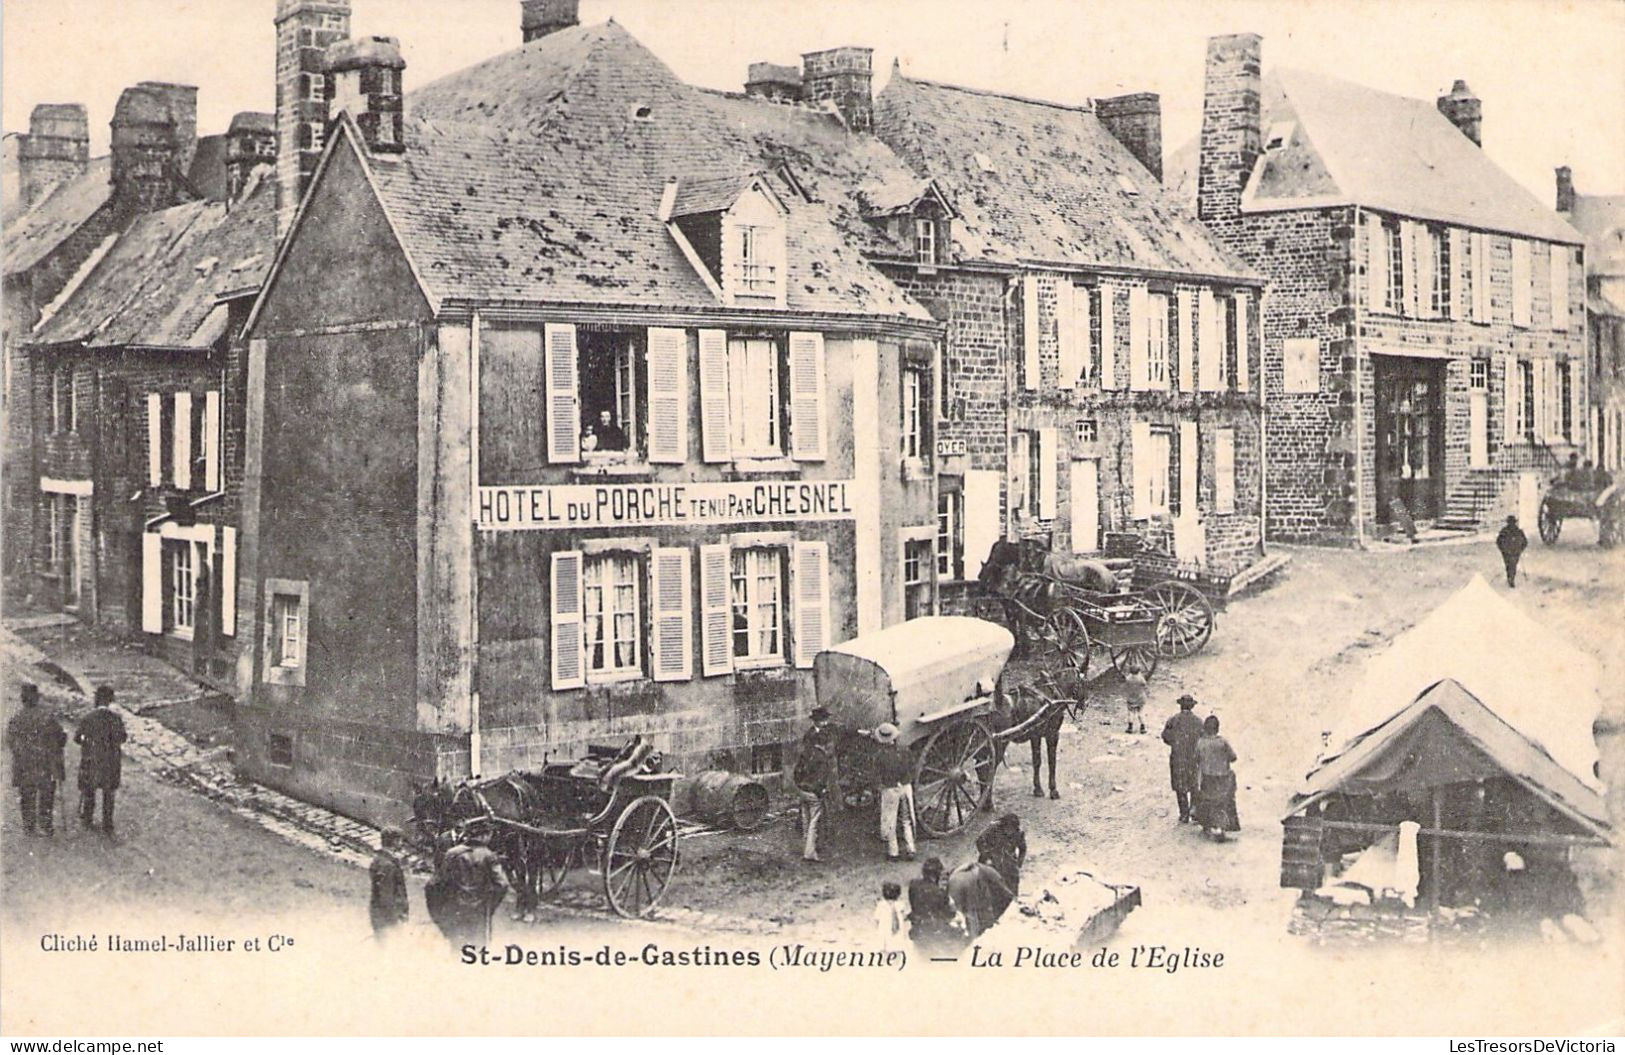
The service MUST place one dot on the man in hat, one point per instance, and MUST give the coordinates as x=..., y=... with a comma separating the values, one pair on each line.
x=101, y=757
x=1180, y=733
x=814, y=777
x=471, y=877
x=36, y=740
x=895, y=778
x=388, y=906
x=1511, y=542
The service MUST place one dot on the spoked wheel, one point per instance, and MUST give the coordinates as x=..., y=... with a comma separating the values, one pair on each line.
x=954, y=777
x=640, y=857
x=552, y=865
x=1185, y=622
x=1066, y=641
x=1551, y=525
x=1135, y=659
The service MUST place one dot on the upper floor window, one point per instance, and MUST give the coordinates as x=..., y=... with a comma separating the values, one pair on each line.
x=914, y=409
x=1440, y=293
x=754, y=407
x=1226, y=330
x=1157, y=370
x=757, y=273
x=63, y=401
x=1393, y=288
x=925, y=240
x=610, y=366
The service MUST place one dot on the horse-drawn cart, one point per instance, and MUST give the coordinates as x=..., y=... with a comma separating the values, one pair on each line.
x=1605, y=505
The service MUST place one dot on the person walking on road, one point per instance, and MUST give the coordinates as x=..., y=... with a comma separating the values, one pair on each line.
x=1216, y=794
x=388, y=906
x=814, y=777
x=1511, y=542
x=100, y=737
x=469, y=887
x=894, y=776
x=1180, y=733
x=36, y=741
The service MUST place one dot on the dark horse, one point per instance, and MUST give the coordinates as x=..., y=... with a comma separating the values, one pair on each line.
x=1034, y=715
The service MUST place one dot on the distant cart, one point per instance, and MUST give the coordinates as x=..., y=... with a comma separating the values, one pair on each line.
x=1605, y=505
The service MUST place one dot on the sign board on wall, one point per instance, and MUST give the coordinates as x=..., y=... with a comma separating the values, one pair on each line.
x=954, y=448
x=541, y=507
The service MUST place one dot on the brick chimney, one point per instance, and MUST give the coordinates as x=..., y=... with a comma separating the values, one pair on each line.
x=366, y=75
x=55, y=150
x=1565, y=189
x=149, y=153
x=1231, y=138
x=769, y=80
x=1465, y=111
x=843, y=76
x=538, y=18
x=1136, y=121
x=250, y=143
x=183, y=107
x=304, y=29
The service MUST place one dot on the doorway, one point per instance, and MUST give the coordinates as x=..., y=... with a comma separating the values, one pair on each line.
x=1410, y=436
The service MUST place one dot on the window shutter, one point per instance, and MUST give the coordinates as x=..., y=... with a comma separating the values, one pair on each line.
x=1088, y=371
x=211, y=440
x=1577, y=403
x=1243, y=303
x=1187, y=343
x=152, y=583
x=1509, y=400
x=1426, y=238
x=1520, y=282
x=1029, y=331
x=1209, y=342
x=1084, y=506
x=1481, y=276
x=1047, y=452
x=183, y=440
x=671, y=598
x=807, y=397
x=1019, y=468
x=812, y=600
x=1560, y=286
x=563, y=401
x=155, y=439
x=716, y=621
x=1140, y=456
x=1224, y=471
x=228, y=581
x=982, y=524
x=668, y=395
x=1066, y=333
x=714, y=395
x=1407, y=268
x=1553, y=401
x=1108, y=336
x=1188, y=466
x=1376, y=264
x=1458, y=268
x=569, y=660
x=1139, y=333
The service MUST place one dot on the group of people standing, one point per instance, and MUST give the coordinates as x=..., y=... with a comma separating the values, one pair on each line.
x=891, y=770
x=37, y=743
x=1199, y=768
x=947, y=910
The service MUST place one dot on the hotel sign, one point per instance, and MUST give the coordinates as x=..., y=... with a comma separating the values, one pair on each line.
x=542, y=507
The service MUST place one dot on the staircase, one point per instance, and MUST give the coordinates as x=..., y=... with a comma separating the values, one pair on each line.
x=1476, y=495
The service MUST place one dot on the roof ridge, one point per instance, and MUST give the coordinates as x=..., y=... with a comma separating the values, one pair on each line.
x=1086, y=108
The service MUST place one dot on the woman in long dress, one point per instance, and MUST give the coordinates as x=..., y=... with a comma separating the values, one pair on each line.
x=1216, y=792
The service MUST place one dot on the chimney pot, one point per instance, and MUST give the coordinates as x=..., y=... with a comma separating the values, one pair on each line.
x=1464, y=110
x=1565, y=189
x=539, y=18
x=250, y=143
x=845, y=77
x=1136, y=122
x=153, y=140
x=366, y=82
x=769, y=80
x=1231, y=117
x=55, y=150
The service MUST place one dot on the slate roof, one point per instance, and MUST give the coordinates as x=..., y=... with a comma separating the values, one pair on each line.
x=1357, y=145
x=32, y=236
x=159, y=283
x=706, y=194
x=1057, y=188
x=537, y=176
x=1601, y=218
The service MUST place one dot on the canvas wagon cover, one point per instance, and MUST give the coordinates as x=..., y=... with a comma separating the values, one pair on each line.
x=924, y=668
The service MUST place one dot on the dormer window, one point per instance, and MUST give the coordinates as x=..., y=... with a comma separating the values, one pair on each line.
x=733, y=231
x=925, y=241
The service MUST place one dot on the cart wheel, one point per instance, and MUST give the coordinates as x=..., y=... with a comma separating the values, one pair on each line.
x=1186, y=622
x=954, y=777
x=1135, y=659
x=1065, y=635
x=552, y=865
x=640, y=857
x=1551, y=525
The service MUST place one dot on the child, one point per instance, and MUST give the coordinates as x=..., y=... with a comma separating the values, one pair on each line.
x=389, y=905
x=889, y=917
x=1134, y=697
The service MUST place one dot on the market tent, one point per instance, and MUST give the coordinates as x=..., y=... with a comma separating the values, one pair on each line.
x=1522, y=672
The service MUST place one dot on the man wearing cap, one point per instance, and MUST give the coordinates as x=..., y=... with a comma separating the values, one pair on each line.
x=1180, y=733
x=100, y=737
x=36, y=740
x=814, y=777
x=388, y=906
x=894, y=777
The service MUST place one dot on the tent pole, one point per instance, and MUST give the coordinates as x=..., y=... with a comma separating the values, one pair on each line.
x=1436, y=850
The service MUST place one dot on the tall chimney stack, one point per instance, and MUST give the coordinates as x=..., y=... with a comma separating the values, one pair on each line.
x=1565, y=189
x=1465, y=111
x=843, y=76
x=538, y=18
x=250, y=143
x=1136, y=122
x=769, y=80
x=304, y=29
x=150, y=151
x=1231, y=137
x=366, y=82
x=55, y=150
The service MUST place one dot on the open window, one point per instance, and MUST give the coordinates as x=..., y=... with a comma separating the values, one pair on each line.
x=756, y=397
x=610, y=365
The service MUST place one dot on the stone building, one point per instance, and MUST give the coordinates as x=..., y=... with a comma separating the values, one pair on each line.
x=1425, y=335
x=617, y=422
x=1601, y=218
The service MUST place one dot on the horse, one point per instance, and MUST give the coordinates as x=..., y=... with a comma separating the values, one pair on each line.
x=1033, y=715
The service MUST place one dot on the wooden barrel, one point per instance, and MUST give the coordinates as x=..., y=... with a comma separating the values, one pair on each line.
x=730, y=798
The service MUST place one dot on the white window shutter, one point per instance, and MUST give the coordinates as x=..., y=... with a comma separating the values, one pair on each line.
x=1029, y=331
x=1577, y=403
x=982, y=524
x=1520, y=282
x=1458, y=268
x=1048, y=451
x=1139, y=335
x=563, y=399
x=1108, y=336
x=1224, y=471
x=812, y=600
x=1019, y=468
x=1407, y=268
x=1376, y=264
x=1243, y=305
x=569, y=653
x=152, y=583
x=1481, y=276
x=1084, y=506
x=1188, y=466
x=714, y=395
x=1209, y=344
x=1140, y=459
x=1187, y=342
x=807, y=397
x=1081, y=314
x=671, y=605
x=1066, y=333
x=668, y=395
x=1426, y=263
x=183, y=440
x=1509, y=400
x=1560, y=286
x=228, y=581
x=155, y=439
x=716, y=619
x=211, y=440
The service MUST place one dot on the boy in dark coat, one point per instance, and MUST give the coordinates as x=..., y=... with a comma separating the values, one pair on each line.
x=36, y=740
x=1511, y=542
x=100, y=737
x=1180, y=733
x=389, y=907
